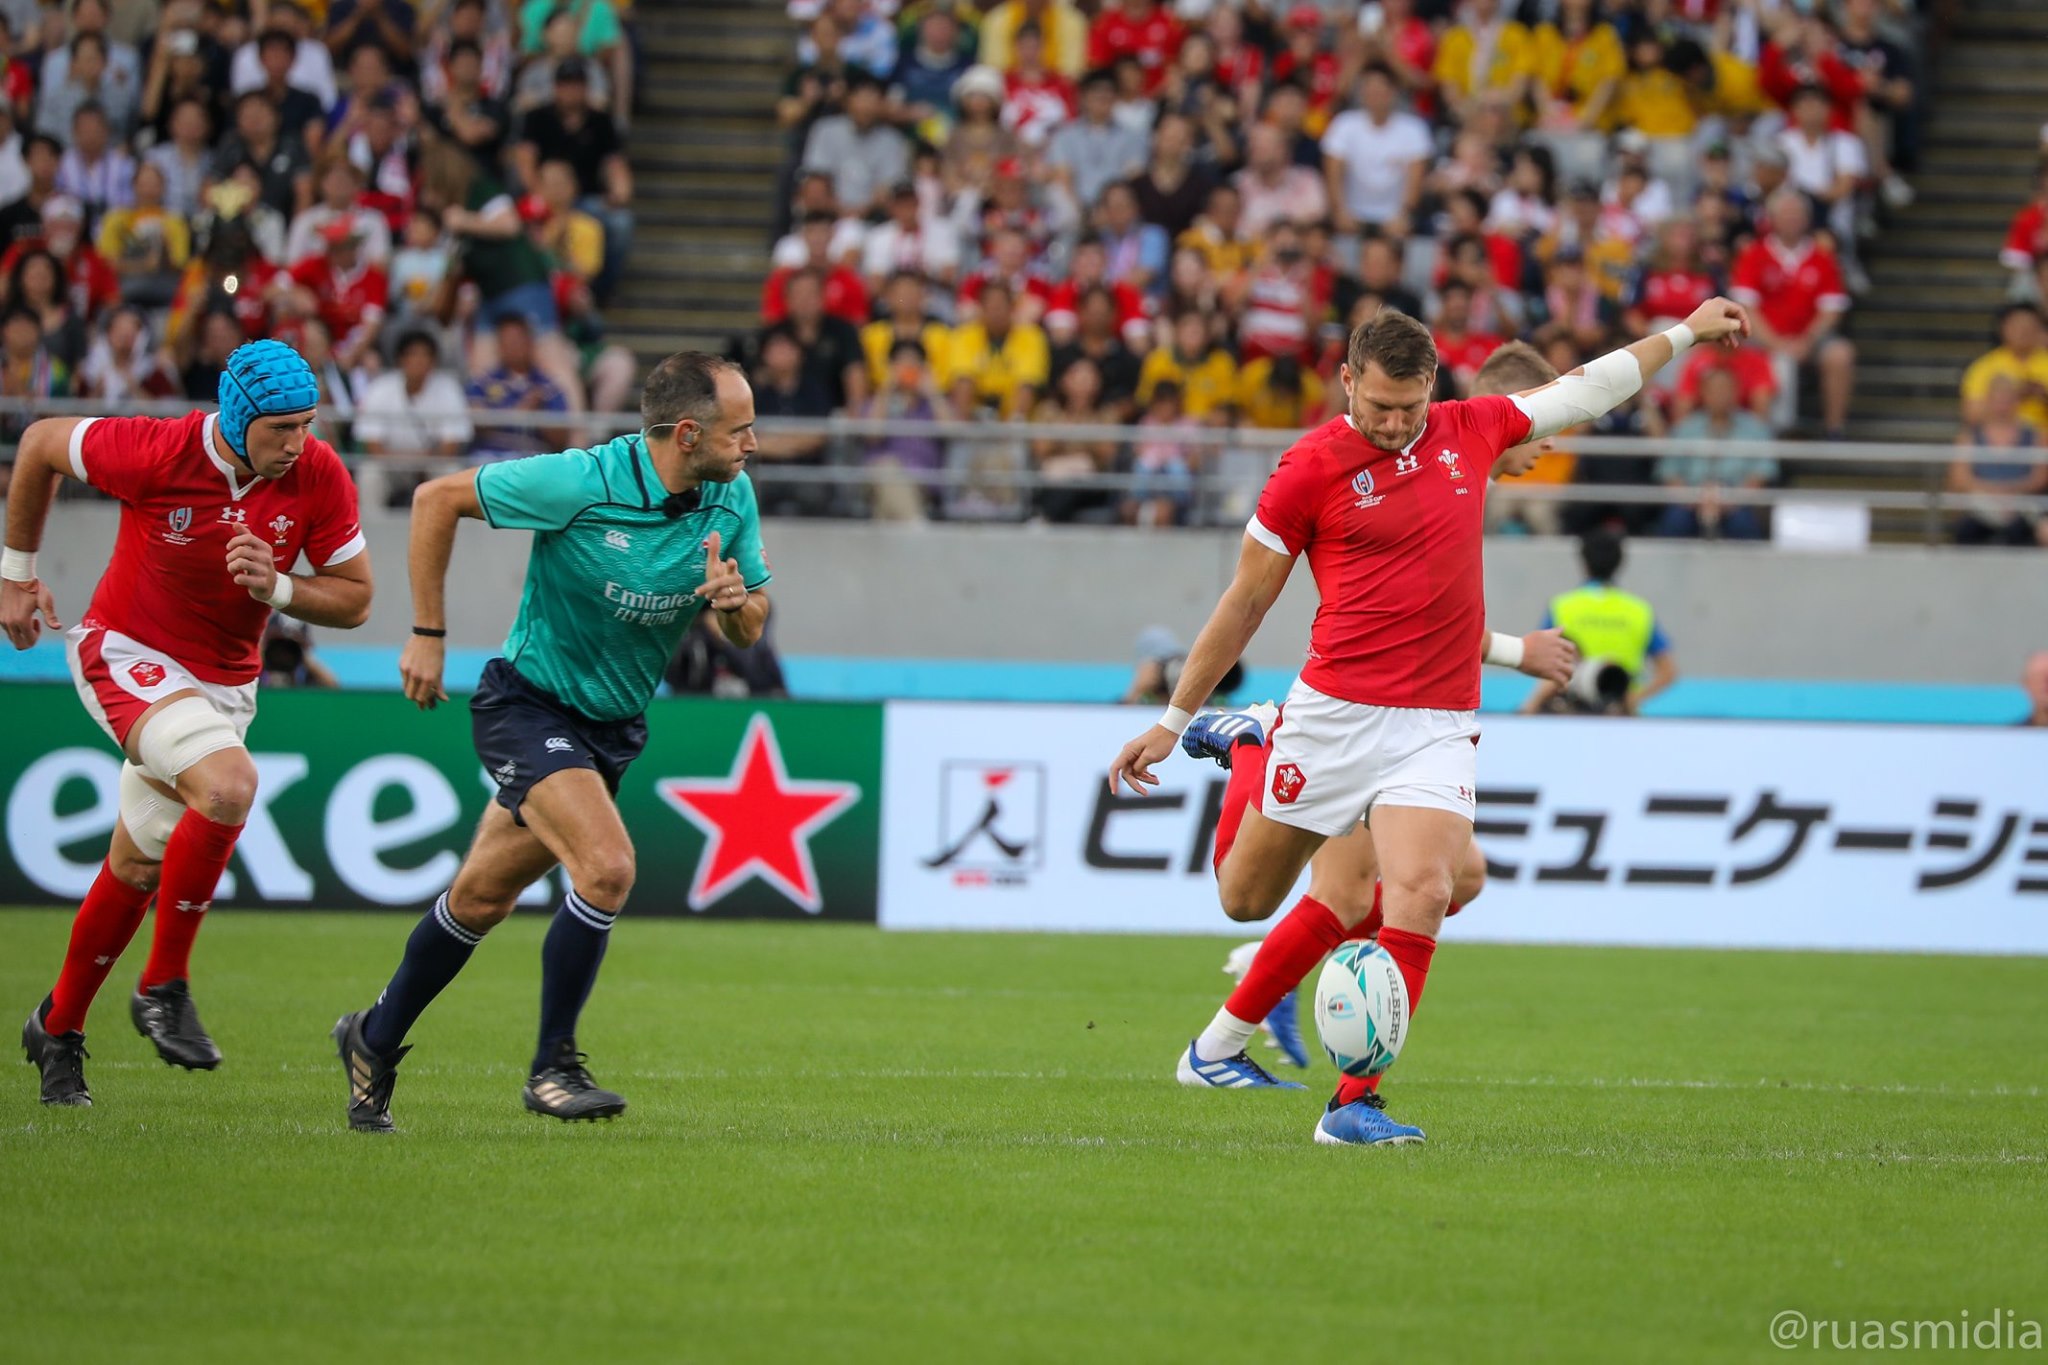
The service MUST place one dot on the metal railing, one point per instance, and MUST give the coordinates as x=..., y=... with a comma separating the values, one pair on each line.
x=1226, y=465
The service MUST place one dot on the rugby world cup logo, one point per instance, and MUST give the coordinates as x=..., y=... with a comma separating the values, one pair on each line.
x=1361, y=484
x=181, y=519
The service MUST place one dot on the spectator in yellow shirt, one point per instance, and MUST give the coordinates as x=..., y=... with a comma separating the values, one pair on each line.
x=1652, y=98
x=1215, y=235
x=146, y=244
x=1577, y=64
x=574, y=238
x=1205, y=372
x=1484, y=55
x=904, y=319
x=1063, y=27
x=1008, y=360
x=2022, y=356
x=1276, y=393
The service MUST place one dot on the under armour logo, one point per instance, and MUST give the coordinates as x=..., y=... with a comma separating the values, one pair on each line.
x=618, y=540
x=1407, y=464
x=559, y=745
x=238, y=515
x=195, y=907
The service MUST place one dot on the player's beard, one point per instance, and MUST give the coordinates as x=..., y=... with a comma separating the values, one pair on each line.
x=1400, y=442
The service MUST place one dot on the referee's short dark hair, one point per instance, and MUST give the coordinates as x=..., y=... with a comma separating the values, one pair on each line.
x=683, y=388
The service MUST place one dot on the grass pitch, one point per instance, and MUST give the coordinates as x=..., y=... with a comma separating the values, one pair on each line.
x=849, y=1146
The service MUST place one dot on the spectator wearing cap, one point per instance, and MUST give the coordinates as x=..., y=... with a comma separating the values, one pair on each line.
x=782, y=389
x=1792, y=286
x=146, y=243
x=907, y=241
x=1272, y=188
x=1721, y=419
x=1036, y=99
x=312, y=68
x=341, y=190
x=2022, y=356
x=299, y=112
x=1009, y=359
x=846, y=296
x=572, y=130
x=97, y=170
x=979, y=140
x=904, y=318
x=1990, y=482
x=283, y=172
x=414, y=411
x=536, y=85
x=921, y=85
x=516, y=384
x=468, y=21
x=1093, y=151
x=1374, y=158
x=1062, y=25
x=1485, y=57
x=863, y=153
x=186, y=156
x=386, y=25
x=349, y=293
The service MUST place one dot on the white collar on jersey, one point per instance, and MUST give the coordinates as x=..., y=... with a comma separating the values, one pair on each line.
x=236, y=488
x=1352, y=422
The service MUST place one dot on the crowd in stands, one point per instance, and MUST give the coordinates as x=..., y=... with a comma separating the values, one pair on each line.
x=1172, y=214
x=430, y=202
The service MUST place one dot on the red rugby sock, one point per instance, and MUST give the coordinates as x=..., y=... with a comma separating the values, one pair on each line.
x=1247, y=773
x=108, y=919
x=1411, y=953
x=193, y=862
x=1289, y=953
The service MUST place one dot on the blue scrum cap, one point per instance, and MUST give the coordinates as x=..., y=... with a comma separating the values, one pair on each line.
x=262, y=379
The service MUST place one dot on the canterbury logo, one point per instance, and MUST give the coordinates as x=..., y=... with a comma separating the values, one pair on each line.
x=618, y=540
x=559, y=746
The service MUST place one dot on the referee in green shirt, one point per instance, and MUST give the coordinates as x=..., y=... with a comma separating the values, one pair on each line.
x=630, y=540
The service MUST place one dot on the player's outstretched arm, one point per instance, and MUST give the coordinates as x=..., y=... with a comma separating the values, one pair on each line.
x=437, y=508
x=1261, y=574
x=42, y=458
x=334, y=595
x=1599, y=386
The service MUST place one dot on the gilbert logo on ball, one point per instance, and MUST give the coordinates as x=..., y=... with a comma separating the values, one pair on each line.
x=1361, y=1009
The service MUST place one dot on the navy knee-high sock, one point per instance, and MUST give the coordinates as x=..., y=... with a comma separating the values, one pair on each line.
x=436, y=952
x=569, y=959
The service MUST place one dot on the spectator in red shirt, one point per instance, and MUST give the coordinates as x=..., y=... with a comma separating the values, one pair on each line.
x=846, y=297
x=2027, y=238
x=1459, y=349
x=1792, y=286
x=93, y=284
x=1275, y=300
x=1036, y=99
x=1756, y=382
x=1144, y=29
x=1238, y=65
x=346, y=291
x=1672, y=282
x=1009, y=261
x=1304, y=63
x=1087, y=271
x=1407, y=44
x=1465, y=216
x=1803, y=52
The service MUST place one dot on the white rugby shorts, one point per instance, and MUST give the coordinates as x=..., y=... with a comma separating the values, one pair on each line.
x=1332, y=761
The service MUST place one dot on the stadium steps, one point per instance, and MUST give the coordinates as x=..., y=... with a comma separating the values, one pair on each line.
x=707, y=156
x=1935, y=277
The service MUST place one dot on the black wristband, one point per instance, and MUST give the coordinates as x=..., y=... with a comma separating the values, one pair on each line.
x=429, y=633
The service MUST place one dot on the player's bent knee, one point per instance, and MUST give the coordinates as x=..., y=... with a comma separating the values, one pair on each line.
x=195, y=750
x=1470, y=881
x=604, y=879
x=132, y=869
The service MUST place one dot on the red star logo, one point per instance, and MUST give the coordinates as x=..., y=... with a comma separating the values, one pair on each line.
x=757, y=822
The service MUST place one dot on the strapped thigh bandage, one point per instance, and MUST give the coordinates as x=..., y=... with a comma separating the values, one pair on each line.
x=149, y=815
x=180, y=735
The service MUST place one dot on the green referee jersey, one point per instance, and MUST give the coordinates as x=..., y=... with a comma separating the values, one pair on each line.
x=610, y=585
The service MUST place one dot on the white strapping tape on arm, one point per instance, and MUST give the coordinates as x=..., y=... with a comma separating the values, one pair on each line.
x=1176, y=720
x=180, y=735
x=281, y=592
x=1570, y=399
x=1505, y=650
x=18, y=566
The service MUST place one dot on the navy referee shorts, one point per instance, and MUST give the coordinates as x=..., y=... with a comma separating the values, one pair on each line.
x=523, y=735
